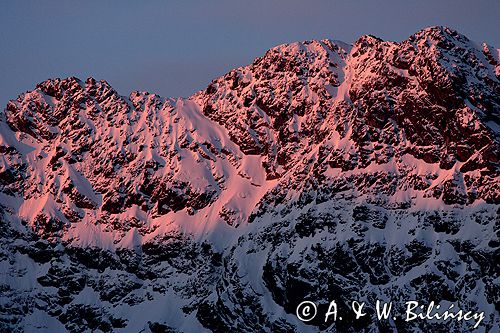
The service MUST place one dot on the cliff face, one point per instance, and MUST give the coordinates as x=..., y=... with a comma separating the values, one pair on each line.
x=320, y=171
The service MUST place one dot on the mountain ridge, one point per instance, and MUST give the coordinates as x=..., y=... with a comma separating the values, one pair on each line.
x=379, y=149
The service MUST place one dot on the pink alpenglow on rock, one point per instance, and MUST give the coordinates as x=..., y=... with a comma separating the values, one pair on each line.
x=320, y=171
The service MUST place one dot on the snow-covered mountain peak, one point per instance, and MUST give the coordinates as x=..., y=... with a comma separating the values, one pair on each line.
x=383, y=154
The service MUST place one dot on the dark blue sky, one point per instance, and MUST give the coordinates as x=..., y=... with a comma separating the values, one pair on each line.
x=175, y=48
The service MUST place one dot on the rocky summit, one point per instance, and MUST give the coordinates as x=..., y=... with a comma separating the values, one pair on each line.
x=322, y=171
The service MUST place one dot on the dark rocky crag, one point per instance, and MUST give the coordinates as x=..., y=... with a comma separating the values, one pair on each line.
x=322, y=171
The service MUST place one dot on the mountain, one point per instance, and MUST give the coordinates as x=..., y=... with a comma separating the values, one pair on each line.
x=322, y=171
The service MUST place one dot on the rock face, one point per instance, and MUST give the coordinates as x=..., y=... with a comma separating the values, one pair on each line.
x=322, y=171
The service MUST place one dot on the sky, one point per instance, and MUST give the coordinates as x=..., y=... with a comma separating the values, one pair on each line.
x=175, y=48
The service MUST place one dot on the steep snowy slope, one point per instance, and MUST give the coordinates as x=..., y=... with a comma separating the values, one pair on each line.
x=320, y=171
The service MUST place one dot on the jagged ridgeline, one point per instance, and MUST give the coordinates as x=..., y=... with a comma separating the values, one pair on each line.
x=320, y=171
